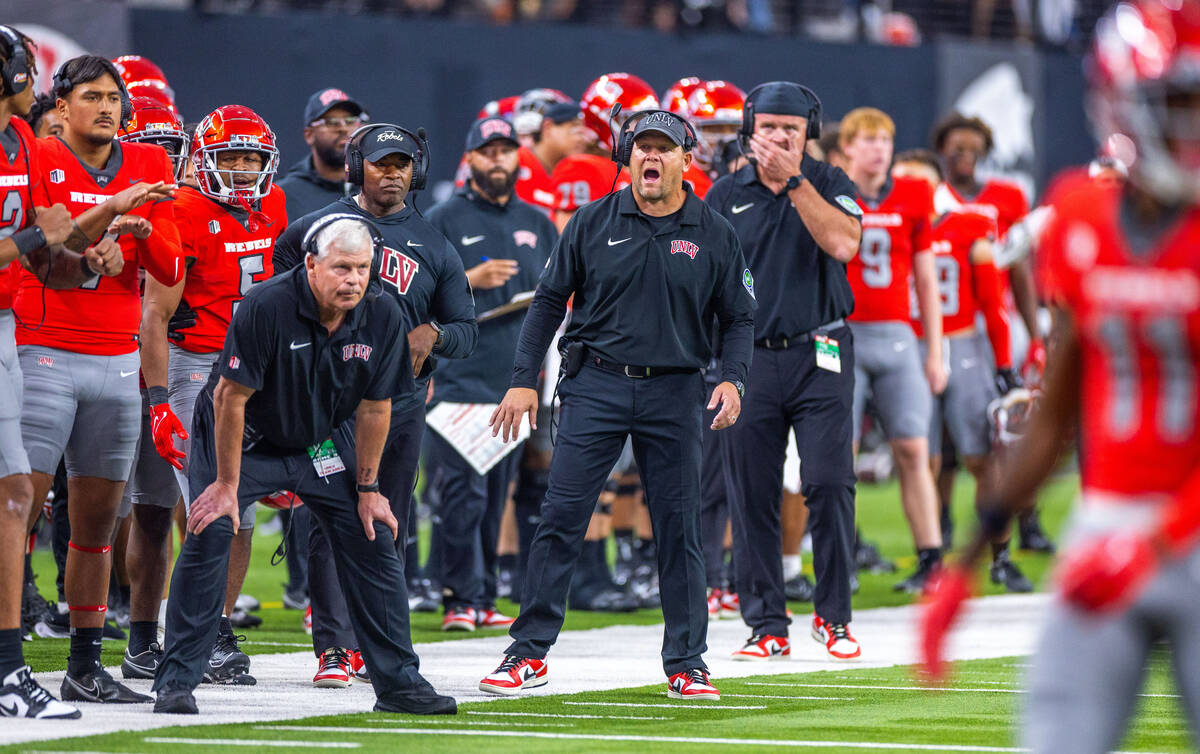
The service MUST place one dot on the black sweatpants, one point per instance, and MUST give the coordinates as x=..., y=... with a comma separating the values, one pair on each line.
x=371, y=575
x=787, y=390
x=714, y=499
x=397, y=472
x=599, y=410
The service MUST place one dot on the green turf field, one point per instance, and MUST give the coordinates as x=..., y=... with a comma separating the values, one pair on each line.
x=875, y=707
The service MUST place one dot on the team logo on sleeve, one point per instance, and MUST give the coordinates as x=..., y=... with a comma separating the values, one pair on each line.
x=849, y=204
x=685, y=247
x=57, y=176
x=214, y=227
x=748, y=282
x=234, y=362
x=525, y=238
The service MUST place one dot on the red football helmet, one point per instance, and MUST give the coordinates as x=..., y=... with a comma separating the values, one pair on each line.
x=527, y=114
x=633, y=94
x=1142, y=80
x=155, y=123
x=136, y=68
x=501, y=107
x=230, y=128
x=675, y=99
x=716, y=110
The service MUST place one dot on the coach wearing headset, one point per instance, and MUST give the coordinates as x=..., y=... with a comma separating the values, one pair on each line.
x=649, y=267
x=305, y=352
x=799, y=224
x=421, y=270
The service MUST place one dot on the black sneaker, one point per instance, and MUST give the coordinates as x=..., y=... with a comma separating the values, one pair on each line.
x=295, y=599
x=1006, y=573
x=416, y=702
x=867, y=558
x=915, y=584
x=1032, y=537
x=144, y=664
x=228, y=664
x=422, y=597
x=33, y=609
x=175, y=701
x=800, y=588
x=243, y=619
x=55, y=624
x=21, y=696
x=604, y=601
x=98, y=686
x=112, y=632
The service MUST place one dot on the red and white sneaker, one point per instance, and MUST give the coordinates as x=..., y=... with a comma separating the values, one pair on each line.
x=333, y=669
x=492, y=618
x=308, y=620
x=714, y=603
x=765, y=647
x=358, y=668
x=692, y=685
x=836, y=638
x=514, y=674
x=459, y=619
x=731, y=607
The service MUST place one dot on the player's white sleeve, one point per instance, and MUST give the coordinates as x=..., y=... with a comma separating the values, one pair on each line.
x=1022, y=237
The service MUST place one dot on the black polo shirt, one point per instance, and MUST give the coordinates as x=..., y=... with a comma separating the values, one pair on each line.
x=306, y=380
x=646, y=289
x=480, y=230
x=799, y=287
x=420, y=269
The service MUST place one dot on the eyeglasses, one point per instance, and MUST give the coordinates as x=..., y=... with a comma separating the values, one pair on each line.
x=352, y=121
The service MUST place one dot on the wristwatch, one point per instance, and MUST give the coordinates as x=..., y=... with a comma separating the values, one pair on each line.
x=795, y=181
x=441, y=334
x=372, y=487
x=741, y=388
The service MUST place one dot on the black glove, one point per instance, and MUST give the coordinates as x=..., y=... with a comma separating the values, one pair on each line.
x=183, y=318
x=1007, y=380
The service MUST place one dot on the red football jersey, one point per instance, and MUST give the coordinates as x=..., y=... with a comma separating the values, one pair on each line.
x=892, y=231
x=1137, y=316
x=17, y=195
x=101, y=316
x=1000, y=200
x=533, y=182
x=225, y=260
x=584, y=178
x=700, y=181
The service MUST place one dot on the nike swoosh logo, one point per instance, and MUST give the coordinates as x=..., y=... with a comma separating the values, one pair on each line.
x=471, y=240
x=618, y=243
x=10, y=711
x=898, y=347
x=968, y=363
x=128, y=374
x=738, y=209
x=297, y=346
x=414, y=245
x=94, y=689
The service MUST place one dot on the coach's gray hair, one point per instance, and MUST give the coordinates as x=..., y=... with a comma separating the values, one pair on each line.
x=347, y=235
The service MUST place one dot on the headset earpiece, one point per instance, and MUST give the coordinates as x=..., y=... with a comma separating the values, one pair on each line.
x=354, y=156
x=623, y=145
x=17, y=65
x=812, y=129
x=62, y=83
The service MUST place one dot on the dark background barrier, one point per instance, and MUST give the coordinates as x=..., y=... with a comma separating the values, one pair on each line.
x=438, y=73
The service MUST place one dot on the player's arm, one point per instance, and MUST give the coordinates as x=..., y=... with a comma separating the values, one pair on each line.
x=372, y=420
x=160, y=252
x=159, y=303
x=220, y=498
x=985, y=279
x=929, y=303
x=39, y=249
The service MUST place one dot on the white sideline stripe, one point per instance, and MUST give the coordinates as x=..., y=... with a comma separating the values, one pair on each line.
x=278, y=644
x=450, y=722
x=915, y=688
x=257, y=742
x=682, y=705
x=553, y=714
x=788, y=696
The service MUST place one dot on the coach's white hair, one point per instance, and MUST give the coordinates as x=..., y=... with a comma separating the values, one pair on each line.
x=347, y=235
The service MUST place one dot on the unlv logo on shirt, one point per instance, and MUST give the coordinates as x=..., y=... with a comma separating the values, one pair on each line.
x=525, y=238
x=398, y=269
x=356, y=351
x=685, y=247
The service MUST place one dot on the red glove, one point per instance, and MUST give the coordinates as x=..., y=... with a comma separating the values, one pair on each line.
x=1108, y=573
x=1035, y=362
x=165, y=426
x=944, y=599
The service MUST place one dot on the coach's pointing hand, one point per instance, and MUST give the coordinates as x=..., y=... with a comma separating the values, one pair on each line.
x=218, y=499
x=506, y=419
x=726, y=396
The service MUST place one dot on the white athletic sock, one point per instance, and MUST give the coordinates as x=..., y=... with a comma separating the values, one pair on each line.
x=791, y=566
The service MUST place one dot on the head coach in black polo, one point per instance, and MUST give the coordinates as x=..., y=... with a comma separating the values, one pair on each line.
x=304, y=353
x=423, y=272
x=649, y=268
x=799, y=224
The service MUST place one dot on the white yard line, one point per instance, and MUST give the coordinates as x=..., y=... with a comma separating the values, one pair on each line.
x=573, y=715
x=581, y=661
x=689, y=705
x=913, y=688
x=451, y=721
x=255, y=742
x=787, y=696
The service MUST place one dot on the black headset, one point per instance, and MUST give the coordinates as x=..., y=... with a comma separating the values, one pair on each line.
x=622, y=149
x=62, y=86
x=812, y=131
x=354, y=155
x=309, y=245
x=16, y=66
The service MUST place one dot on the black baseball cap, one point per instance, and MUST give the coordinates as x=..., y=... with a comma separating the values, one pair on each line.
x=664, y=123
x=486, y=130
x=324, y=100
x=563, y=112
x=381, y=141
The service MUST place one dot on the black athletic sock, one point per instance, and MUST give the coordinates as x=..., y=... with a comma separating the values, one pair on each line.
x=85, y=650
x=646, y=554
x=999, y=551
x=929, y=555
x=11, y=654
x=226, y=627
x=29, y=568
x=506, y=562
x=142, y=633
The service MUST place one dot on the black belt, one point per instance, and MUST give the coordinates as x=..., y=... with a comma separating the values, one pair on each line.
x=638, y=373
x=780, y=344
